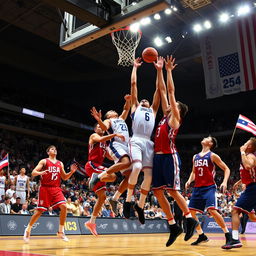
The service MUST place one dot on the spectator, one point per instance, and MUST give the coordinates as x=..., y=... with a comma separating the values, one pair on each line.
x=16, y=208
x=50, y=212
x=76, y=208
x=70, y=207
x=5, y=208
x=87, y=210
x=13, y=199
x=10, y=191
x=24, y=209
x=32, y=206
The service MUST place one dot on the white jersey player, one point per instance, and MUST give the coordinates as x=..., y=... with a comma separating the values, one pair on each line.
x=2, y=183
x=117, y=148
x=22, y=184
x=141, y=147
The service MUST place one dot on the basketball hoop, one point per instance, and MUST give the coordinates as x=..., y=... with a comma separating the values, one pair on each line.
x=126, y=42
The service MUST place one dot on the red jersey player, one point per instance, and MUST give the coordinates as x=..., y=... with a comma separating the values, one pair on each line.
x=97, y=153
x=247, y=201
x=50, y=194
x=204, y=192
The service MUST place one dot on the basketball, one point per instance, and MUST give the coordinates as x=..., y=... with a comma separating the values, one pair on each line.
x=149, y=54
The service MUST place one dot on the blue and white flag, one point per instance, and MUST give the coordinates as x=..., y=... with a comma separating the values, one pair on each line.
x=229, y=57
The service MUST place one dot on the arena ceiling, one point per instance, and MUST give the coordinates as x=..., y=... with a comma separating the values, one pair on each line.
x=29, y=39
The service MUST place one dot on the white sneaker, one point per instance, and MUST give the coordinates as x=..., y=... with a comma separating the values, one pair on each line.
x=62, y=236
x=26, y=235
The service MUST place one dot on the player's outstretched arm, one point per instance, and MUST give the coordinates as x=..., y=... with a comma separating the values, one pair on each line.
x=37, y=171
x=97, y=116
x=161, y=84
x=134, y=90
x=217, y=160
x=127, y=106
x=94, y=138
x=174, y=121
x=66, y=176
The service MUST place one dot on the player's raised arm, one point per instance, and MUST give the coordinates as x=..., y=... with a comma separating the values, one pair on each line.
x=134, y=90
x=127, y=106
x=248, y=160
x=37, y=171
x=217, y=160
x=175, y=117
x=66, y=176
x=161, y=84
x=97, y=116
x=97, y=138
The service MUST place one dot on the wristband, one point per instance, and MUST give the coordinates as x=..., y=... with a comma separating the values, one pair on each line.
x=242, y=153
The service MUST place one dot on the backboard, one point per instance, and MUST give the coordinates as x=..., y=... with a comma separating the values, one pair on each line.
x=78, y=31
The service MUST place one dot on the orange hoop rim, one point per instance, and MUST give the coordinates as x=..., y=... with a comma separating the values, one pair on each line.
x=125, y=28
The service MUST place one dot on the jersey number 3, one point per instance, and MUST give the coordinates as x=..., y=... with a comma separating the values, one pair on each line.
x=200, y=173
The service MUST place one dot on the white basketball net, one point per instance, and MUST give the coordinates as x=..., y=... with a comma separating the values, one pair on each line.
x=126, y=43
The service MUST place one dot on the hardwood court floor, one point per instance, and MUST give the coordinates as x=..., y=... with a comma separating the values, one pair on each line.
x=125, y=245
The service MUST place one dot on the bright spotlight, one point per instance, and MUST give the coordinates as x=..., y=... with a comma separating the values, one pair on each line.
x=243, y=10
x=207, y=24
x=133, y=3
x=157, y=16
x=168, y=39
x=135, y=27
x=224, y=17
x=158, y=41
x=175, y=8
x=168, y=11
x=197, y=28
x=145, y=21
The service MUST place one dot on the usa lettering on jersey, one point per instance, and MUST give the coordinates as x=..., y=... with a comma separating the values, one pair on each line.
x=201, y=162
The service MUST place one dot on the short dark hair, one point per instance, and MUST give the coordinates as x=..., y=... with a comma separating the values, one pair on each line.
x=253, y=143
x=49, y=147
x=183, y=109
x=6, y=198
x=214, y=142
x=94, y=126
x=17, y=198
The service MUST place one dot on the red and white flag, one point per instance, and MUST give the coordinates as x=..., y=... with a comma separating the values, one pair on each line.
x=4, y=162
x=246, y=124
x=229, y=57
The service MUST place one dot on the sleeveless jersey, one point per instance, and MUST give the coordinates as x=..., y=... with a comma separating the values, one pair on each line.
x=204, y=170
x=165, y=137
x=2, y=181
x=97, y=152
x=247, y=176
x=21, y=183
x=143, y=122
x=52, y=177
x=118, y=125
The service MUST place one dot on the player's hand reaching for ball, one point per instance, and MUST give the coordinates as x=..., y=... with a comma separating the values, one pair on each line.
x=127, y=97
x=159, y=63
x=96, y=114
x=244, y=147
x=137, y=62
x=170, y=63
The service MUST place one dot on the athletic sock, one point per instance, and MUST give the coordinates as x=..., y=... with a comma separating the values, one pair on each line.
x=61, y=228
x=29, y=228
x=235, y=234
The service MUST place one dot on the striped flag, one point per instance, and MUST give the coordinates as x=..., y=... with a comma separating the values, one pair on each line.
x=79, y=167
x=229, y=57
x=4, y=162
x=246, y=124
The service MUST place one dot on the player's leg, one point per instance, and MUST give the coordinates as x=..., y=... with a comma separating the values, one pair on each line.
x=63, y=216
x=91, y=225
x=121, y=188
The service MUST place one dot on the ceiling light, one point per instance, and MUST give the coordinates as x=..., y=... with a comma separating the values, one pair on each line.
x=157, y=16
x=158, y=41
x=243, y=10
x=207, y=24
x=145, y=21
x=168, y=11
x=197, y=28
x=175, y=8
x=135, y=27
x=133, y=3
x=168, y=39
x=224, y=17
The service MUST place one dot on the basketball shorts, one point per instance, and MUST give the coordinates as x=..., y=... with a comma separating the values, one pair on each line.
x=247, y=200
x=22, y=195
x=203, y=198
x=91, y=168
x=142, y=149
x=166, y=171
x=50, y=196
x=118, y=150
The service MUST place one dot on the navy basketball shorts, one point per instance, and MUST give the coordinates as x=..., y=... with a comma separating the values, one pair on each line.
x=247, y=200
x=166, y=171
x=203, y=198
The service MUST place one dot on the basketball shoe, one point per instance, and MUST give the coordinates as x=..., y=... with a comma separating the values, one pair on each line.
x=91, y=227
x=26, y=235
x=201, y=239
x=62, y=236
